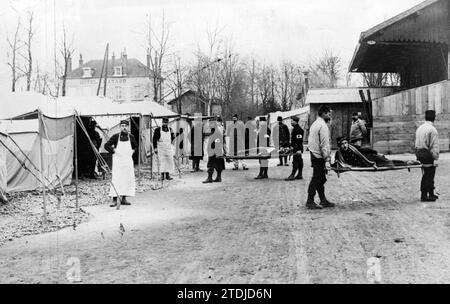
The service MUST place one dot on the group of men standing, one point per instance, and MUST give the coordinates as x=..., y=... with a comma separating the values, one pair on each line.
x=123, y=145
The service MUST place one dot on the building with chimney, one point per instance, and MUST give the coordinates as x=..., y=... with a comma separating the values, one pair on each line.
x=127, y=79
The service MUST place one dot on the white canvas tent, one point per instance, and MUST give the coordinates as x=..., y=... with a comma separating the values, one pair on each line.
x=3, y=178
x=26, y=137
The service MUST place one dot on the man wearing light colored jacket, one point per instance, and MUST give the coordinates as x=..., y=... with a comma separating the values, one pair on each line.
x=427, y=151
x=320, y=148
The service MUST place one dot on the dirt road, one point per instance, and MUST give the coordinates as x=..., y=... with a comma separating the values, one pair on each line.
x=247, y=231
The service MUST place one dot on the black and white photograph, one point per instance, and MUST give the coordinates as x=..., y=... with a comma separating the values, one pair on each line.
x=212, y=143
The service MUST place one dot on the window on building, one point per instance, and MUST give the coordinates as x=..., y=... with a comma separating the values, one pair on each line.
x=138, y=92
x=119, y=95
x=87, y=72
x=118, y=71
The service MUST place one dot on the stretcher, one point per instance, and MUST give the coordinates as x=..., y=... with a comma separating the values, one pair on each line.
x=342, y=169
x=267, y=154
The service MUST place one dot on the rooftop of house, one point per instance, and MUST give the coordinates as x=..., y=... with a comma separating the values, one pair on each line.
x=134, y=68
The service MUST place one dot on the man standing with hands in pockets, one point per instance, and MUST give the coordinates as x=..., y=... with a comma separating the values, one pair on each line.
x=320, y=148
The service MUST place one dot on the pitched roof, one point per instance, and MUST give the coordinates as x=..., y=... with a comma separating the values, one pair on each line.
x=135, y=68
x=397, y=18
x=345, y=95
x=188, y=92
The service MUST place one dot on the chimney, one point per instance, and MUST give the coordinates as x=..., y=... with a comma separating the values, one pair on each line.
x=69, y=64
x=124, y=62
x=80, y=62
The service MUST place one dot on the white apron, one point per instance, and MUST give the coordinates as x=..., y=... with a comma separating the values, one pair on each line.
x=123, y=170
x=165, y=152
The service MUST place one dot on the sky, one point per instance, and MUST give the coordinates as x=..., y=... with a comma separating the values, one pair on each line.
x=271, y=31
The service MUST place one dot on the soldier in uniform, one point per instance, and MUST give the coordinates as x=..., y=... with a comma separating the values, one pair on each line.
x=263, y=142
x=237, y=141
x=216, y=152
x=281, y=139
x=297, y=148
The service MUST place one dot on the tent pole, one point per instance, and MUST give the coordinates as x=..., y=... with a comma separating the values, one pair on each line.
x=140, y=148
x=41, y=148
x=76, y=161
x=151, y=147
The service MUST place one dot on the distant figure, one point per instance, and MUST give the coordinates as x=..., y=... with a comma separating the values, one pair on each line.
x=320, y=148
x=97, y=141
x=358, y=130
x=281, y=139
x=263, y=143
x=297, y=149
x=162, y=143
x=197, y=151
x=122, y=146
x=238, y=143
x=216, y=152
x=427, y=151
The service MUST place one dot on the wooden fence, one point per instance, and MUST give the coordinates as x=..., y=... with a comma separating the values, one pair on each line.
x=397, y=117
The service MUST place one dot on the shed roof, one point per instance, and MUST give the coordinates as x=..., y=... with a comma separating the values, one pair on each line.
x=345, y=95
x=387, y=46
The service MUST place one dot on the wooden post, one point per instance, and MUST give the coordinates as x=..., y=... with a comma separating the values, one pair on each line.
x=151, y=147
x=140, y=147
x=106, y=69
x=75, y=151
x=41, y=148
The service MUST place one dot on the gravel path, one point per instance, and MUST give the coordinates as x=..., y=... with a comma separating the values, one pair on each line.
x=247, y=231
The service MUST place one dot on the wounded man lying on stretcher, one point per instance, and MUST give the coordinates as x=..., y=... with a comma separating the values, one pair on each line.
x=352, y=156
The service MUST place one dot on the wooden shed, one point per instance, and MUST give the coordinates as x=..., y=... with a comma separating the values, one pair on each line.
x=416, y=45
x=343, y=102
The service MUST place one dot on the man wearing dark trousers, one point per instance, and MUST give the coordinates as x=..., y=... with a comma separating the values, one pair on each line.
x=320, y=148
x=427, y=151
x=297, y=149
x=281, y=139
x=216, y=151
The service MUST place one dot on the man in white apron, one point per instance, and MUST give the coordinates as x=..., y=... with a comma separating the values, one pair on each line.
x=122, y=146
x=162, y=143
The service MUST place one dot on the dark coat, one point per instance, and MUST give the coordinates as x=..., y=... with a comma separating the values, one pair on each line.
x=112, y=142
x=281, y=135
x=197, y=145
x=157, y=136
x=297, y=138
x=215, y=160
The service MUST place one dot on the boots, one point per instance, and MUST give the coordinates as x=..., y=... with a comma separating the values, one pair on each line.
x=299, y=176
x=265, y=176
x=426, y=198
x=162, y=176
x=219, y=177
x=311, y=205
x=168, y=176
x=260, y=175
x=124, y=201
x=290, y=178
x=323, y=200
x=114, y=203
x=209, y=180
x=432, y=195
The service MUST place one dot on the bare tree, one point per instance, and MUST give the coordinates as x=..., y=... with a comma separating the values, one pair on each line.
x=177, y=81
x=28, y=57
x=66, y=50
x=158, y=50
x=373, y=80
x=326, y=71
x=14, y=46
